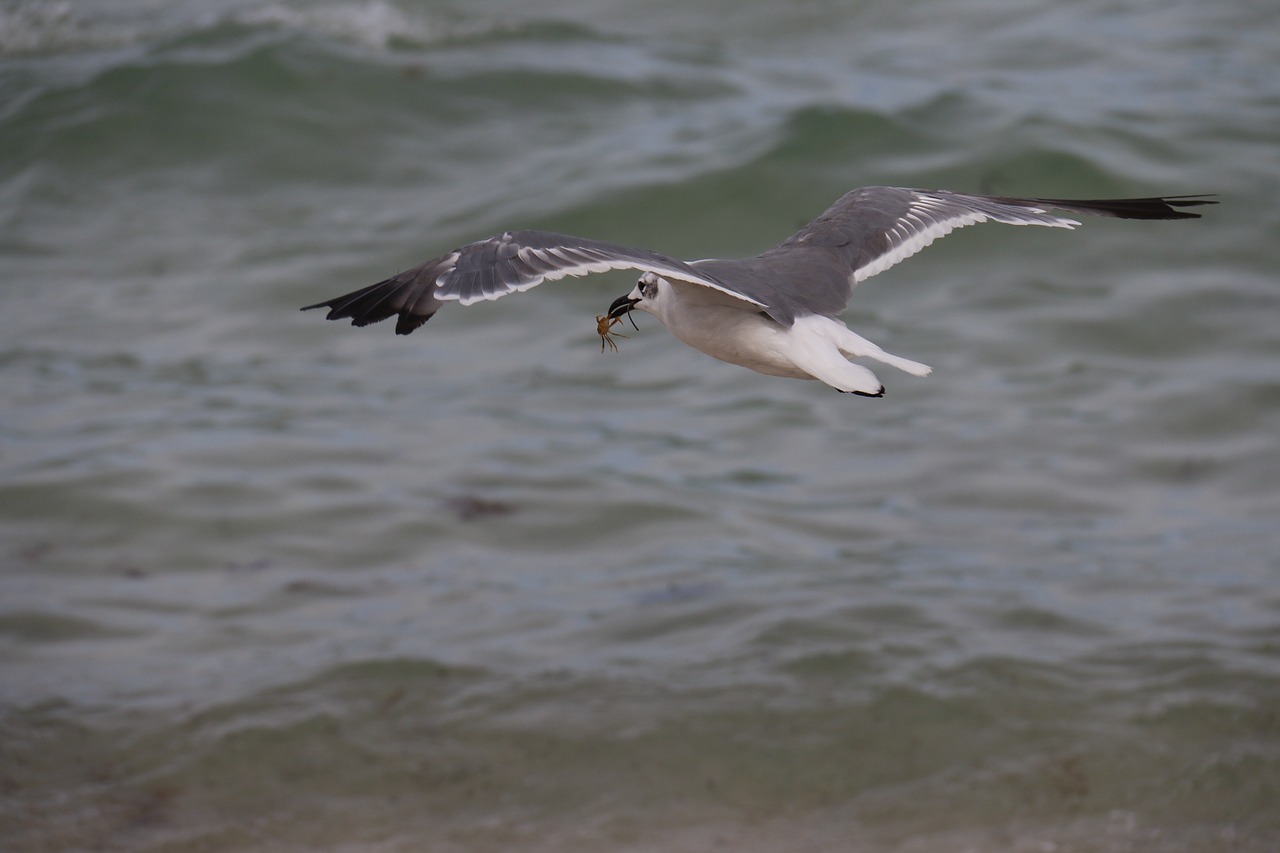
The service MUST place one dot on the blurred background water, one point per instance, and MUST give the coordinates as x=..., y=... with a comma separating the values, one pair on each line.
x=273, y=583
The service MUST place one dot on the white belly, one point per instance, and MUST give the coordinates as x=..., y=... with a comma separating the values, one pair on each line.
x=740, y=337
x=813, y=347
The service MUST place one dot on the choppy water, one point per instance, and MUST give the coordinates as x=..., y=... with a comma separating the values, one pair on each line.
x=271, y=583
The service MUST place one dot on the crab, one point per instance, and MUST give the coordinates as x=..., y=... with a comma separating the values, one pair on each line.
x=604, y=328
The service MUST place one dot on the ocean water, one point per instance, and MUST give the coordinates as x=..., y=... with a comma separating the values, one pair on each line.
x=272, y=583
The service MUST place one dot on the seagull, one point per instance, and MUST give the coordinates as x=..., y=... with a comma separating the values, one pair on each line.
x=775, y=313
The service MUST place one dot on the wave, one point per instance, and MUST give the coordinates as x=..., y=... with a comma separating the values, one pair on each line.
x=64, y=27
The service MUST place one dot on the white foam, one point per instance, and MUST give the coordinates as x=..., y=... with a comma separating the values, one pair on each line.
x=52, y=27
x=371, y=23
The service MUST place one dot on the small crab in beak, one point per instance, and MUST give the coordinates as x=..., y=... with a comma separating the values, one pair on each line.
x=620, y=308
x=604, y=328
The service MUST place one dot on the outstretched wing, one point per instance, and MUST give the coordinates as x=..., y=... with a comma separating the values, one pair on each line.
x=492, y=268
x=870, y=229
x=897, y=223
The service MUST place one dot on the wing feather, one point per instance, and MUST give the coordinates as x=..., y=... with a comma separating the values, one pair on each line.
x=499, y=265
x=871, y=229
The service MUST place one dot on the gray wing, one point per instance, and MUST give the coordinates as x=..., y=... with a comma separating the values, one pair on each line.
x=492, y=268
x=870, y=229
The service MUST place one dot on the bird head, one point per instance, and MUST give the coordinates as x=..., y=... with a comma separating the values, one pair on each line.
x=645, y=296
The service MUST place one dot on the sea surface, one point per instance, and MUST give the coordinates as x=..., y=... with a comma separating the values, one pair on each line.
x=272, y=583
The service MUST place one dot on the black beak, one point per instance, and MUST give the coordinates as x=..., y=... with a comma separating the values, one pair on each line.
x=621, y=307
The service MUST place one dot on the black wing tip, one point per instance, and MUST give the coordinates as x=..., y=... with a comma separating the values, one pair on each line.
x=331, y=305
x=407, y=322
x=392, y=297
x=1154, y=207
x=336, y=308
x=1166, y=207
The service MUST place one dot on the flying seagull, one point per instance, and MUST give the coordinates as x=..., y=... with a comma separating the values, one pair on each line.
x=775, y=313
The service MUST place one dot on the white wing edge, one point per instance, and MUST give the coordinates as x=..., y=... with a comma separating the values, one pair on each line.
x=570, y=266
x=915, y=232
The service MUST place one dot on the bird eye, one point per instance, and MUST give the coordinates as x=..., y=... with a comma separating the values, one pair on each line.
x=648, y=289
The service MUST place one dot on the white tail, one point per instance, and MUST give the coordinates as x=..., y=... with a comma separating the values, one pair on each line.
x=822, y=346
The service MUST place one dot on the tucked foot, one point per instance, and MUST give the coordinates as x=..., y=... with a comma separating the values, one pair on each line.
x=879, y=393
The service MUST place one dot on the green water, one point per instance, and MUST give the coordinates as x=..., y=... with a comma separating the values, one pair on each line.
x=271, y=583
